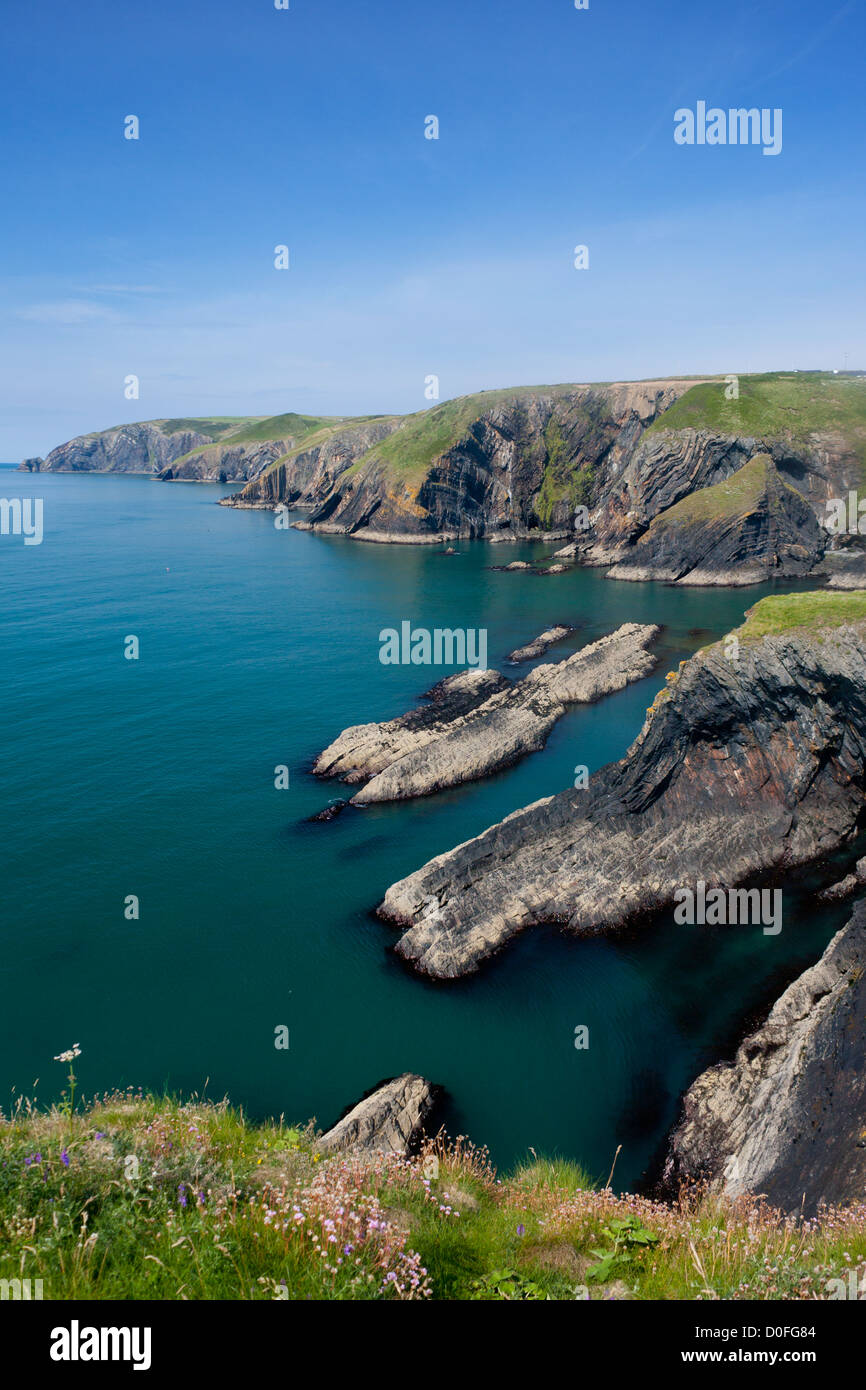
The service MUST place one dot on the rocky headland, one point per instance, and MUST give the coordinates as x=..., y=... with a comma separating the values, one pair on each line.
x=479, y=722
x=604, y=467
x=751, y=760
x=787, y=1117
x=751, y=527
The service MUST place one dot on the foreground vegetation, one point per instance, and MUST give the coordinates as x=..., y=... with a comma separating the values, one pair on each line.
x=142, y=1198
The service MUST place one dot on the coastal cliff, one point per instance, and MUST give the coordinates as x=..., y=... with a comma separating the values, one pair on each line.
x=787, y=1118
x=657, y=479
x=752, y=759
x=750, y=527
x=223, y=450
x=139, y=448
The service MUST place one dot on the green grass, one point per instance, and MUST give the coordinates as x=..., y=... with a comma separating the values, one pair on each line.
x=820, y=608
x=216, y=426
x=282, y=427
x=423, y=437
x=733, y=496
x=795, y=406
x=302, y=428
x=139, y=1197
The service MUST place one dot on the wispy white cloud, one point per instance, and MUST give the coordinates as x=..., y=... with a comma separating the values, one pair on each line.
x=122, y=289
x=65, y=311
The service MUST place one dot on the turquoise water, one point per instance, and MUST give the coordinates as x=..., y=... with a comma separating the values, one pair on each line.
x=156, y=778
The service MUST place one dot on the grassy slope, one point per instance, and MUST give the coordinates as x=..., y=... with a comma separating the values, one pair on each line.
x=216, y=426
x=819, y=608
x=795, y=406
x=136, y=1197
x=424, y=436
x=732, y=497
x=776, y=404
x=255, y=430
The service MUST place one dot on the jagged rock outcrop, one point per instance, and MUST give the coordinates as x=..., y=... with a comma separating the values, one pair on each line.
x=742, y=766
x=34, y=465
x=461, y=737
x=225, y=463
x=139, y=448
x=393, y=1118
x=304, y=477
x=602, y=467
x=744, y=530
x=787, y=1118
x=542, y=643
x=847, y=885
x=508, y=463
x=363, y=750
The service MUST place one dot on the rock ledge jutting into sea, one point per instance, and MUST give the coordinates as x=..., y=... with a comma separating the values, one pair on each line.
x=467, y=732
x=742, y=766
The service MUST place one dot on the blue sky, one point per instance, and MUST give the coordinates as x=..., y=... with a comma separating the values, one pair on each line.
x=412, y=256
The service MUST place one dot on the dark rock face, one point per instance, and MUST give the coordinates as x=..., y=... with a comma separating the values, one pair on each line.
x=225, y=463
x=306, y=478
x=742, y=766
x=480, y=722
x=772, y=535
x=663, y=468
x=33, y=465
x=393, y=1119
x=668, y=465
x=787, y=1118
x=141, y=448
x=488, y=483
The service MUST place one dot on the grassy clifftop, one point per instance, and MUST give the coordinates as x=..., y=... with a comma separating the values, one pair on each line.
x=138, y=1197
x=794, y=405
x=779, y=613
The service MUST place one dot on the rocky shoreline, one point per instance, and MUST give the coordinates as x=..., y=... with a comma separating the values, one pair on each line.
x=656, y=479
x=742, y=767
x=787, y=1118
x=479, y=722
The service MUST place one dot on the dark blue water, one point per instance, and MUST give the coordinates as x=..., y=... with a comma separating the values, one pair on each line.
x=156, y=778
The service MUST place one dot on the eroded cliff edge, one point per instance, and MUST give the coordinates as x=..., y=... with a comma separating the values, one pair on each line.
x=787, y=1118
x=609, y=467
x=744, y=765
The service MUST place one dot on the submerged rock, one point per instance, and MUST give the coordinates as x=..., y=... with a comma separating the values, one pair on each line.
x=468, y=733
x=393, y=1118
x=787, y=1118
x=742, y=766
x=332, y=810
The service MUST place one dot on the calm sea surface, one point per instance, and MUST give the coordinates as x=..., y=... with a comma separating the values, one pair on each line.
x=156, y=778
